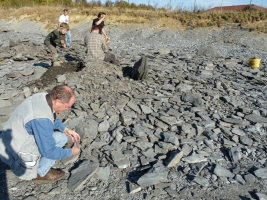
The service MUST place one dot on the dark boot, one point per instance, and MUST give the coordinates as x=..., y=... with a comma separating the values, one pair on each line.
x=51, y=176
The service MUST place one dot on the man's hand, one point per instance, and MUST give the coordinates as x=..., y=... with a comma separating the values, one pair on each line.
x=63, y=43
x=74, y=136
x=75, y=149
x=106, y=38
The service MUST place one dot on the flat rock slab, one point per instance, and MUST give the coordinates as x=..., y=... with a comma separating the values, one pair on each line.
x=8, y=95
x=155, y=175
x=233, y=121
x=174, y=158
x=194, y=158
x=8, y=110
x=201, y=181
x=261, y=173
x=27, y=72
x=256, y=118
x=221, y=171
x=261, y=196
x=4, y=103
x=70, y=160
x=81, y=174
x=103, y=173
x=2, y=74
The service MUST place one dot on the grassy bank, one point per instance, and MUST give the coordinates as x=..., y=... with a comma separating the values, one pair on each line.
x=173, y=19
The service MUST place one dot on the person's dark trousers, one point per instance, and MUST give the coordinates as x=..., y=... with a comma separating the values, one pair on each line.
x=110, y=57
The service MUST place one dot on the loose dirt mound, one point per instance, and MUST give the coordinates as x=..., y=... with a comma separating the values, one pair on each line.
x=49, y=77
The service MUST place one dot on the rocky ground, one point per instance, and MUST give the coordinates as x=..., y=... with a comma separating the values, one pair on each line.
x=195, y=128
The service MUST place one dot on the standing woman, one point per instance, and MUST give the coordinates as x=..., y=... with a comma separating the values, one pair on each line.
x=54, y=39
x=99, y=21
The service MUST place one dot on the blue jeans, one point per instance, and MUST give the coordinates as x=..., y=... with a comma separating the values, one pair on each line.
x=45, y=164
x=68, y=38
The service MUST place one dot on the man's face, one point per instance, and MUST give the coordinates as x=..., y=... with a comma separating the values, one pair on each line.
x=65, y=12
x=60, y=106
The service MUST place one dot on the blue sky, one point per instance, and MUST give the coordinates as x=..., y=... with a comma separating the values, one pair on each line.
x=199, y=3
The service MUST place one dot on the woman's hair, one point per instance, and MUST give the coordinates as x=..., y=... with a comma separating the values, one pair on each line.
x=100, y=14
x=62, y=92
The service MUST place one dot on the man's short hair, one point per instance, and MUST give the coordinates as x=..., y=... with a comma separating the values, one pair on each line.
x=65, y=10
x=65, y=26
x=62, y=92
x=95, y=27
x=100, y=14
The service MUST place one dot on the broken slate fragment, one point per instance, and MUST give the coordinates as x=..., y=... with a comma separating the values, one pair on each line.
x=145, y=109
x=261, y=173
x=4, y=103
x=70, y=160
x=233, y=121
x=197, y=168
x=122, y=164
x=168, y=120
x=261, y=196
x=103, y=173
x=134, y=107
x=103, y=126
x=61, y=78
x=235, y=154
x=201, y=181
x=81, y=174
x=238, y=132
x=133, y=188
x=221, y=171
x=256, y=118
x=154, y=176
x=27, y=71
x=249, y=178
x=90, y=131
x=8, y=95
x=240, y=179
x=194, y=158
x=13, y=74
x=246, y=141
x=174, y=158
x=172, y=192
x=170, y=138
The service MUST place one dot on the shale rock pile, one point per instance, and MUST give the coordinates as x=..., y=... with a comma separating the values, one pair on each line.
x=194, y=128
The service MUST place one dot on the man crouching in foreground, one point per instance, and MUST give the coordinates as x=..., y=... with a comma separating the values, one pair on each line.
x=32, y=138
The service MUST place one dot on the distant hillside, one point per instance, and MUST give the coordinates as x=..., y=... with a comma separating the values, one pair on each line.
x=173, y=19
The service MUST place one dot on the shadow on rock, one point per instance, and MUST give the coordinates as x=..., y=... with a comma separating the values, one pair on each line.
x=127, y=71
x=244, y=198
x=134, y=176
x=6, y=160
x=3, y=181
